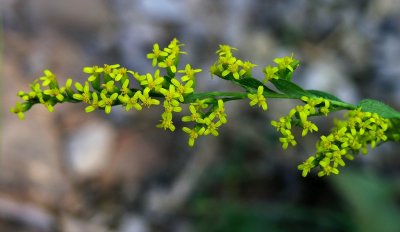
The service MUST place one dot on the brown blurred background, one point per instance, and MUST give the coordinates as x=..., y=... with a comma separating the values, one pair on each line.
x=75, y=172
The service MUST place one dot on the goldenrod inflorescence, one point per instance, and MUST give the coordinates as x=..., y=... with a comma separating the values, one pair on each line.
x=347, y=139
x=367, y=124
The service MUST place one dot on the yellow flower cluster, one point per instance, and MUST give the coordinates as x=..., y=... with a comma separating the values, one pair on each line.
x=284, y=69
x=258, y=98
x=299, y=116
x=168, y=57
x=228, y=66
x=348, y=138
x=109, y=86
x=207, y=119
x=44, y=90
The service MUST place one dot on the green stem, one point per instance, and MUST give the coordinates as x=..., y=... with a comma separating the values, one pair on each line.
x=230, y=96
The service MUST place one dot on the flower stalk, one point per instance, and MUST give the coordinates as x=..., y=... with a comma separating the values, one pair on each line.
x=366, y=125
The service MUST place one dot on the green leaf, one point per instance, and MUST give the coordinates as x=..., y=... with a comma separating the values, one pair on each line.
x=214, y=95
x=290, y=89
x=325, y=95
x=252, y=84
x=374, y=106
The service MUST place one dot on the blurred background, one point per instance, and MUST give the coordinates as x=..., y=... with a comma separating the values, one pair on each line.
x=69, y=171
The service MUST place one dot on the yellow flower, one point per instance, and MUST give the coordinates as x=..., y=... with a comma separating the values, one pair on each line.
x=109, y=87
x=327, y=143
x=270, y=73
x=258, y=98
x=85, y=92
x=336, y=157
x=189, y=73
x=68, y=88
x=225, y=49
x=170, y=95
x=200, y=104
x=306, y=166
x=285, y=62
x=166, y=122
x=219, y=111
x=308, y=126
x=225, y=61
x=19, y=109
x=182, y=89
x=193, y=134
x=233, y=69
x=326, y=168
x=95, y=103
x=36, y=92
x=48, y=78
x=130, y=102
x=125, y=90
x=55, y=92
x=214, y=70
x=49, y=104
x=118, y=74
x=94, y=72
x=312, y=103
x=153, y=83
x=325, y=109
x=247, y=67
x=172, y=106
x=107, y=101
x=108, y=69
x=195, y=117
x=212, y=127
x=156, y=55
x=173, y=48
x=287, y=139
x=137, y=76
x=146, y=99
x=169, y=62
x=283, y=124
x=301, y=111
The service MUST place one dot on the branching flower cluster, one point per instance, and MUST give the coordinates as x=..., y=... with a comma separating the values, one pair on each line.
x=367, y=124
